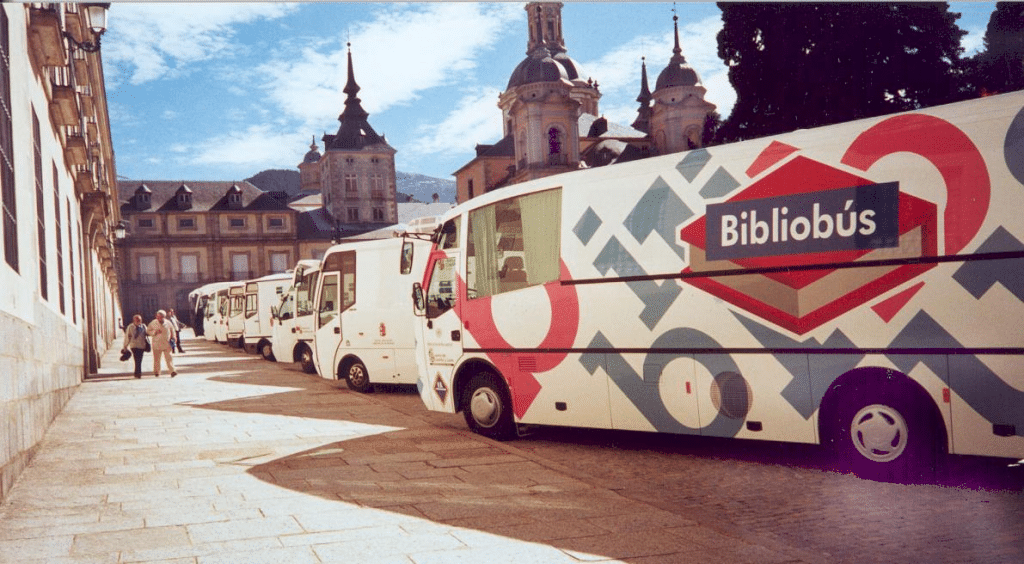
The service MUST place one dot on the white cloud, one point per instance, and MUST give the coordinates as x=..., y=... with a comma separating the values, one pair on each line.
x=152, y=40
x=257, y=147
x=309, y=87
x=474, y=119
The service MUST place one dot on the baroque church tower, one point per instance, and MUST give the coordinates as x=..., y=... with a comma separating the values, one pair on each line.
x=356, y=173
x=679, y=112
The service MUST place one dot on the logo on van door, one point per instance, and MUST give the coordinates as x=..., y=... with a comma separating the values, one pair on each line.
x=806, y=212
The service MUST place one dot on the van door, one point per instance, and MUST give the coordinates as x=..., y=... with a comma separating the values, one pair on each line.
x=442, y=329
x=327, y=334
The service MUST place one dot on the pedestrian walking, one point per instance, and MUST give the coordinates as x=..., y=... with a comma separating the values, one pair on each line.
x=178, y=326
x=135, y=340
x=162, y=332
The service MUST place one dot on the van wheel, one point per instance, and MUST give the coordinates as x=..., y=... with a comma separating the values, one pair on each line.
x=306, y=360
x=358, y=378
x=267, y=350
x=885, y=436
x=487, y=407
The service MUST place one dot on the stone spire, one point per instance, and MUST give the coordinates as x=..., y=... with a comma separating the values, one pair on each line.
x=643, y=118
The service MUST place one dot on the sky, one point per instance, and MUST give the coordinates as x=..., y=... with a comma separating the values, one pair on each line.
x=222, y=91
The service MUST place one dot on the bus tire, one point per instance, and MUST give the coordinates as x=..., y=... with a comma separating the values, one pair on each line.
x=306, y=360
x=885, y=434
x=357, y=378
x=266, y=350
x=487, y=407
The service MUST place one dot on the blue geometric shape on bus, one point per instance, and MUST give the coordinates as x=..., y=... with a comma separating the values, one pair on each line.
x=978, y=277
x=693, y=163
x=720, y=184
x=1013, y=147
x=659, y=210
x=644, y=392
x=657, y=298
x=587, y=226
x=805, y=390
x=971, y=379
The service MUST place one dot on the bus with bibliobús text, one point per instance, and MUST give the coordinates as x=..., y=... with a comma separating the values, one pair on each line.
x=857, y=285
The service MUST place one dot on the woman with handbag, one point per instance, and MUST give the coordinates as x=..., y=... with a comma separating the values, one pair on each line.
x=136, y=341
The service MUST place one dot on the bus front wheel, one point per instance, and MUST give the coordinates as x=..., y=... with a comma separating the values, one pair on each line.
x=358, y=378
x=306, y=360
x=488, y=408
x=266, y=350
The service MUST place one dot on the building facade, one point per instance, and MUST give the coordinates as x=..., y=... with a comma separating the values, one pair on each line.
x=182, y=235
x=550, y=111
x=58, y=276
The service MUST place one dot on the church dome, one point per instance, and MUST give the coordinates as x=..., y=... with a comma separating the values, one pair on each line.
x=573, y=70
x=678, y=72
x=313, y=155
x=540, y=67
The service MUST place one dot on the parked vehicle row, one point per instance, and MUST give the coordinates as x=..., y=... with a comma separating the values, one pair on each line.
x=855, y=286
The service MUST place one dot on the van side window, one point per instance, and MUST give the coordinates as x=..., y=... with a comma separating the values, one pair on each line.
x=304, y=294
x=348, y=280
x=328, y=307
x=514, y=244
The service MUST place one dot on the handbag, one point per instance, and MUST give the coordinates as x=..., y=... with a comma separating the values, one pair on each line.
x=149, y=347
x=125, y=354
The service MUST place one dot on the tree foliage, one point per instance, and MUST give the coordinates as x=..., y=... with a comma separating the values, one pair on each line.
x=801, y=65
x=999, y=67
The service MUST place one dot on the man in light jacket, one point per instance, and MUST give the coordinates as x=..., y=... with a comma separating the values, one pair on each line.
x=162, y=332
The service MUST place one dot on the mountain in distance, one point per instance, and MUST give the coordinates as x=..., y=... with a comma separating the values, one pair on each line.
x=411, y=187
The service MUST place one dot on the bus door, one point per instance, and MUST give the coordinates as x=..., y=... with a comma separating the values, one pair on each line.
x=336, y=293
x=442, y=328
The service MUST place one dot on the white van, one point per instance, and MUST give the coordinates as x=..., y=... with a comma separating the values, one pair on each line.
x=293, y=317
x=365, y=324
x=217, y=313
x=260, y=296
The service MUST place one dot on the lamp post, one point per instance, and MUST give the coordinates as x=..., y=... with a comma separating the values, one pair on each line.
x=96, y=20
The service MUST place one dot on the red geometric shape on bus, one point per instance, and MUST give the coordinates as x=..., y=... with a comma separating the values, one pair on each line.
x=772, y=154
x=887, y=309
x=783, y=297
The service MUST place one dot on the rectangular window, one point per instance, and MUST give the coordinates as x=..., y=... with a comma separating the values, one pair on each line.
x=377, y=185
x=278, y=262
x=145, y=223
x=514, y=243
x=7, y=192
x=304, y=294
x=378, y=214
x=351, y=185
x=37, y=149
x=275, y=222
x=240, y=266
x=148, y=273
x=353, y=214
x=57, y=237
x=236, y=222
x=71, y=266
x=186, y=223
x=189, y=267
x=327, y=308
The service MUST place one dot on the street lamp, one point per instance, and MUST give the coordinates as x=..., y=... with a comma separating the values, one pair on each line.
x=96, y=20
x=121, y=229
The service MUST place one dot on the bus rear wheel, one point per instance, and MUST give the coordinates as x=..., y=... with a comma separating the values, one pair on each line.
x=358, y=378
x=267, y=350
x=306, y=360
x=885, y=436
x=487, y=407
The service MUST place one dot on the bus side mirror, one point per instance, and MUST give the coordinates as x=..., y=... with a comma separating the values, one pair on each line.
x=418, y=304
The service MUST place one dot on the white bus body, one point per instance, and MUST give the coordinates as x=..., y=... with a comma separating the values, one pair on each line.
x=204, y=314
x=365, y=325
x=293, y=317
x=234, y=315
x=857, y=285
x=218, y=313
x=261, y=294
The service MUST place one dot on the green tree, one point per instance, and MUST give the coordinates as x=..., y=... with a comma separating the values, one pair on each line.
x=801, y=65
x=999, y=67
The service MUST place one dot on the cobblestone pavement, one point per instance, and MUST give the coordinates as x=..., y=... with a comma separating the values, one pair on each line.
x=238, y=460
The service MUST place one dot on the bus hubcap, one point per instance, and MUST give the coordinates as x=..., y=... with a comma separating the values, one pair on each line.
x=879, y=433
x=485, y=407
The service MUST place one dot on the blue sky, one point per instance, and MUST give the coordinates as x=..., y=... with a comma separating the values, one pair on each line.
x=221, y=91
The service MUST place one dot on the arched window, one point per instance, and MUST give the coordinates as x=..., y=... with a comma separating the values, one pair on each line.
x=556, y=141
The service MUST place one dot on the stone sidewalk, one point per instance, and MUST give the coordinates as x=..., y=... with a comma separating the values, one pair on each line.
x=239, y=460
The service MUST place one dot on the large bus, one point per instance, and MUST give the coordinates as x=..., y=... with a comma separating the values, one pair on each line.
x=857, y=285
x=260, y=296
x=293, y=317
x=365, y=326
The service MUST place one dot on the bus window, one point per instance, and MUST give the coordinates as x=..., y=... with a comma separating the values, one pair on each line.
x=447, y=237
x=250, y=305
x=348, y=280
x=441, y=294
x=304, y=294
x=514, y=244
x=328, y=299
